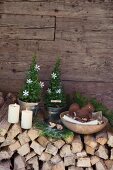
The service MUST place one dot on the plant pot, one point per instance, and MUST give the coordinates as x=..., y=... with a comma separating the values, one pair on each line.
x=54, y=113
x=27, y=105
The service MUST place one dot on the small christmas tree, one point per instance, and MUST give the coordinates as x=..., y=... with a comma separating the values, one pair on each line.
x=32, y=89
x=55, y=96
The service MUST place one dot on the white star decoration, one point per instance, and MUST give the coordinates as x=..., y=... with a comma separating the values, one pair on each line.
x=25, y=93
x=58, y=91
x=53, y=75
x=49, y=90
x=41, y=84
x=37, y=67
x=29, y=81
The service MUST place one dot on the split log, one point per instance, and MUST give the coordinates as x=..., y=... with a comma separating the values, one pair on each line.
x=59, y=143
x=19, y=163
x=47, y=166
x=2, y=139
x=51, y=149
x=14, y=131
x=4, y=125
x=37, y=147
x=24, y=149
x=33, y=134
x=5, y=165
x=77, y=144
x=101, y=165
x=34, y=162
x=102, y=152
x=102, y=137
x=7, y=142
x=94, y=159
x=13, y=147
x=90, y=150
x=45, y=157
x=81, y=154
x=66, y=151
x=90, y=141
x=84, y=162
x=59, y=166
x=109, y=164
x=111, y=156
x=5, y=154
x=110, y=139
x=30, y=155
x=29, y=167
x=55, y=159
x=23, y=138
x=43, y=141
x=69, y=160
x=74, y=168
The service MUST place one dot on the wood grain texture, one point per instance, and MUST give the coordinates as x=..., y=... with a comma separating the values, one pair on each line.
x=57, y=8
x=81, y=32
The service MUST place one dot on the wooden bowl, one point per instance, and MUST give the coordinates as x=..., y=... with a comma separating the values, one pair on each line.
x=83, y=129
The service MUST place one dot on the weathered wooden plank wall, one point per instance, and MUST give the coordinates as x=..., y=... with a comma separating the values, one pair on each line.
x=81, y=32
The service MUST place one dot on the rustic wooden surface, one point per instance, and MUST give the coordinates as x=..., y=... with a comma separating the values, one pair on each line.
x=81, y=32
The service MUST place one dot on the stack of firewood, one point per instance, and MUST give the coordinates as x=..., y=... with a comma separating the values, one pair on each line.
x=26, y=149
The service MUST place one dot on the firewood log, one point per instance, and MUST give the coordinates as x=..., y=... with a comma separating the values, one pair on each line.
x=77, y=144
x=84, y=162
x=34, y=162
x=90, y=141
x=19, y=162
x=102, y=137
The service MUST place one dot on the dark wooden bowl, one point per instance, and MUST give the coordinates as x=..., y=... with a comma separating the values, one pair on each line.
x=83, y=129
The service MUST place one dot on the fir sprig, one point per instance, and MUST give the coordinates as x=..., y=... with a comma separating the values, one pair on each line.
x=47, y=131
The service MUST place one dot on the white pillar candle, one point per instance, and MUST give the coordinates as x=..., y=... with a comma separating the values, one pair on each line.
x=13, y=113
x=26, y=119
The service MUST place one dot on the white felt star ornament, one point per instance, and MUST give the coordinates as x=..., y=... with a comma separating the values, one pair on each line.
x=25, y=93
x=58, y=91
x=41, y=84
x=49, y=90
x=37, y=67
x=53, y=75
x=29, y=81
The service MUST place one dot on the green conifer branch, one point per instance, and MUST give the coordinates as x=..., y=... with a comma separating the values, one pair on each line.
x=47, y=131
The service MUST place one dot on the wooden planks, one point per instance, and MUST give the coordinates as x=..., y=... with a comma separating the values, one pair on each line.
x=18, y=33
x=56, y=8
x=26, y=21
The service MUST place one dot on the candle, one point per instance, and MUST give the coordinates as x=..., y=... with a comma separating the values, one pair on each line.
x=13, y=113
x=26, y=119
